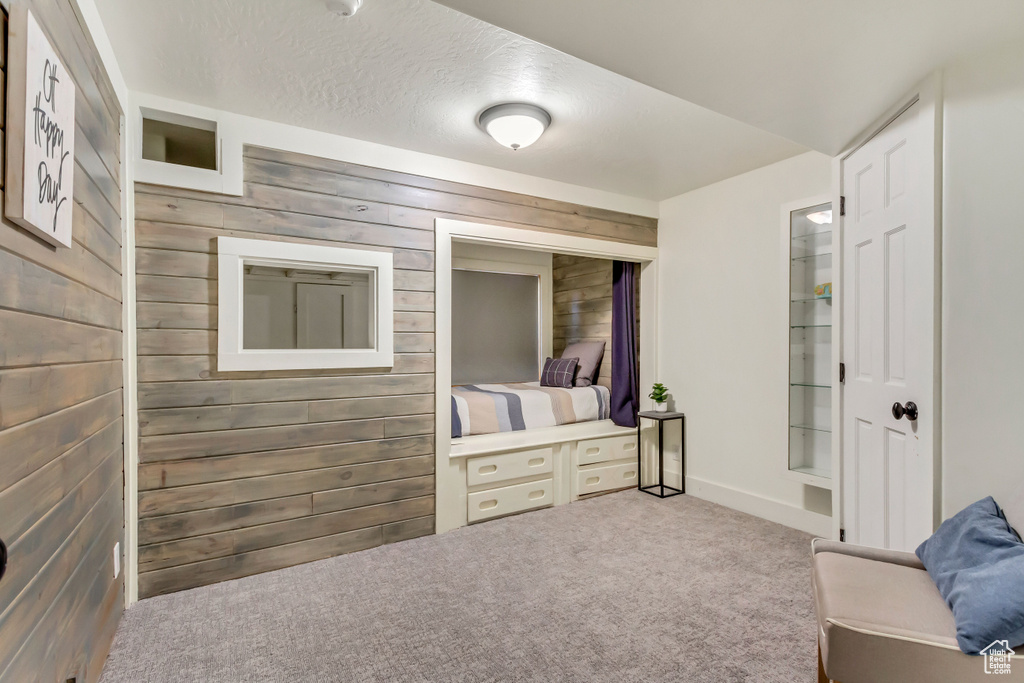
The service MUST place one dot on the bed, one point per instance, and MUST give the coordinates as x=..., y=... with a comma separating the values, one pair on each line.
x=494, y=408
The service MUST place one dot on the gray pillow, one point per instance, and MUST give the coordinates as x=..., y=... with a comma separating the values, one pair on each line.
x=590, y=354
x=558, y=373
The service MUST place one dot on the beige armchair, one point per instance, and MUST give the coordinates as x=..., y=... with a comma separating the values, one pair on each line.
x=881, y=619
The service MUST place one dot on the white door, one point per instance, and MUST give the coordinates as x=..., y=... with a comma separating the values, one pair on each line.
x=889, y=338
x=320, y=316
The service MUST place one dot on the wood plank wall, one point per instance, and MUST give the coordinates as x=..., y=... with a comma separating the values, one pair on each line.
x=242, y=473
x=61, y=455
x=582, y=293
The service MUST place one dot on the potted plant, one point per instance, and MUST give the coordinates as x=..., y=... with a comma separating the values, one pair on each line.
x=660, y=395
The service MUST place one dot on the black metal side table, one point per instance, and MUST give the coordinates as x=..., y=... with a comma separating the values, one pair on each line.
x=661, y=419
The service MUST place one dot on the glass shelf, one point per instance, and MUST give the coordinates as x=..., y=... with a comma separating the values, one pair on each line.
x=813, y=235
x=812, y=256
x=811, y=249
x=813, y=471
x=812, y=428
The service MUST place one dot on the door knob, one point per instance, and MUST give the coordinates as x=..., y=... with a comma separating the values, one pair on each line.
x=910, y=410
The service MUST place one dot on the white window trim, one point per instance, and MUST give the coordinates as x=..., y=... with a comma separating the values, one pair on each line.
x=233, y=252
x=226, y=179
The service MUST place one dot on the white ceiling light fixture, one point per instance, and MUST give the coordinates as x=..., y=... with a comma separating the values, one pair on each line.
x=345, y=8
x=820, y=217
x=514, y=125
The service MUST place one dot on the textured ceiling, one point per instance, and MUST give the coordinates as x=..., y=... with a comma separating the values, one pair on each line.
x=414, y=74
x=815, y=71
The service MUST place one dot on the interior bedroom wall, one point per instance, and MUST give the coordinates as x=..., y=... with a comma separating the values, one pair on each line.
x=983, y=244
x=61, y=455
x=242, y=473
x=723, y=337
x=582, y=293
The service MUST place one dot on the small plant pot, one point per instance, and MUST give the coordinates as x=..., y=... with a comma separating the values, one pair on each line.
x=661, y=407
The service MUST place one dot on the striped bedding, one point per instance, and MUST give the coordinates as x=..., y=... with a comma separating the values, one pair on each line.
x=492, y=408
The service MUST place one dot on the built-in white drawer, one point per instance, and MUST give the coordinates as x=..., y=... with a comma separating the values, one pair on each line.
x=508, y=466
x=604, y=450
x=509, y=499
x=606, y=478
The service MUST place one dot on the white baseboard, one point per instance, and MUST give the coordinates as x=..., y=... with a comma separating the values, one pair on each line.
x=752, y=504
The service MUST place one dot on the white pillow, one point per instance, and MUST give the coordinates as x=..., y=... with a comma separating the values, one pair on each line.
x=590, y=355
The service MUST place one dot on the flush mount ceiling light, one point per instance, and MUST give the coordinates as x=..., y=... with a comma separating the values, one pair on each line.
x=514, y=125
x=820, y=217
x=345, y=8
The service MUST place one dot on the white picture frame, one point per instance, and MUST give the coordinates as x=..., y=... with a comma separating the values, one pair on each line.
x=40, y=133
x=234, y=253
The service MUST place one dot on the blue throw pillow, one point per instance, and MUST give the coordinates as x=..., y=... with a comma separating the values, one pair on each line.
x=977, y=563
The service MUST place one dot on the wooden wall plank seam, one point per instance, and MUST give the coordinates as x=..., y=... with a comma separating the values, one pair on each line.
x=28, y=500
x=171, y=473
x=447, y=186
x=247, y=472
x=203, y=496
x=61, y=373
x=581, y=289
x=208, y=546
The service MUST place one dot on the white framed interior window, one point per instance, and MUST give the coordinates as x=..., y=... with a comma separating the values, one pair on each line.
x=284, y=306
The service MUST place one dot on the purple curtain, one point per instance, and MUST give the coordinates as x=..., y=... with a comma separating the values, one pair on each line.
x=625, y=397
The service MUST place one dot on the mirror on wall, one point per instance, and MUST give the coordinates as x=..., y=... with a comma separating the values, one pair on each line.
x=306, y=309
x=285, y=306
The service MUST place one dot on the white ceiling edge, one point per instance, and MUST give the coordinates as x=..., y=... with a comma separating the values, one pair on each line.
x=340, y=148
x=289, y=138
x=816, y=73
x=351, y=150
x=98, y=32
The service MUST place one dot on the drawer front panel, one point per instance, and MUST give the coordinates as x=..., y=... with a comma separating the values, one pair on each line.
x=509, y=499
x=609, y=448
x=607, y=478
x=507, y=466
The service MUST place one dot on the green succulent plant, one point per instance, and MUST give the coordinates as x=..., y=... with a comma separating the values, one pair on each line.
x=659, y=393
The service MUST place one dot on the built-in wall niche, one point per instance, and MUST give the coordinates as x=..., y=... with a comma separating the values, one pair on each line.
x=288, y=306
x=808, y=239
x=176, y=139
x=181, y=145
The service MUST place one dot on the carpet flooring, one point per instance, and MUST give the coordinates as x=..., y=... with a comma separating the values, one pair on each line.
x=618, y=588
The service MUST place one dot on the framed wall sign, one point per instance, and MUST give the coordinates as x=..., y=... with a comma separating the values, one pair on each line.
x=40, y=132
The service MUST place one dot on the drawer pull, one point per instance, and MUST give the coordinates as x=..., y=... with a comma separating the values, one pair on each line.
x=488, y=504
x=536, y=462
x=488, y=469
x=594, y=450
x=629, y=446
x=534, y=495
x=593, y=481
x=629, y=475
